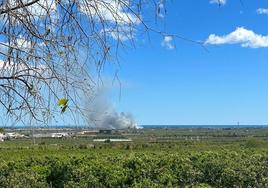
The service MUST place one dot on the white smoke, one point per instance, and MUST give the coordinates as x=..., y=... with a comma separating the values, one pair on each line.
x=102, y=115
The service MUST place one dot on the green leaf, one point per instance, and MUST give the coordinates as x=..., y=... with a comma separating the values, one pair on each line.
x=62, y=102
x=63, y=109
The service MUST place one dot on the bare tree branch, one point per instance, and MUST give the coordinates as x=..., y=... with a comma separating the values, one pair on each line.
x=4, y=11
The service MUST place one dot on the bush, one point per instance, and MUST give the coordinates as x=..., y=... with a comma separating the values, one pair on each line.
x=148, y=169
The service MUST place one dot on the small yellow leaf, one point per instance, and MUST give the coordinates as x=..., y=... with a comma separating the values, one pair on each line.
x=62, y=102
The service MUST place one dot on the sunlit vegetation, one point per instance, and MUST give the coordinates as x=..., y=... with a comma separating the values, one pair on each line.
x=79, y=162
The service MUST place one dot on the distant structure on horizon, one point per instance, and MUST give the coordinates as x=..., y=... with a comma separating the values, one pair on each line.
x=105, y=131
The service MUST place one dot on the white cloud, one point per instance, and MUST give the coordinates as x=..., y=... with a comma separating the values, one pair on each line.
x=110, y=14
x=20, y=43
x=262, y=10
x=119, y=21
x=38, y=9
x=114, y=11
x=8, y=69
x=121, y=33
x=167, y=42
x=247, y=38
x=221, y=2
x=23, y=43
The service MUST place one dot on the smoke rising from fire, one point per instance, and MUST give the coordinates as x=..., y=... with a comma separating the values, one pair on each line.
x=101, y=114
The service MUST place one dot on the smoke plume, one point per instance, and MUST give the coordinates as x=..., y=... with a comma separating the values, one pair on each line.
x=101, y=114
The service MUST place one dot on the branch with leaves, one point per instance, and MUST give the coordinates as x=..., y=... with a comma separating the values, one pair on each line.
x=52, y=50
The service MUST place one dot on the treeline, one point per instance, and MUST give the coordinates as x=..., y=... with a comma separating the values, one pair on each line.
x=150, y=169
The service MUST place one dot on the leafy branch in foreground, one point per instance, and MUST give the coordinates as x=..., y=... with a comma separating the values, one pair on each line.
x=52, y=48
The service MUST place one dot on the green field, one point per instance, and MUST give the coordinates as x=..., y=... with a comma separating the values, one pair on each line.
x=155, y=158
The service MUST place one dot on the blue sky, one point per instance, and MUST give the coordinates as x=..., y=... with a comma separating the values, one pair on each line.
x=186, y=84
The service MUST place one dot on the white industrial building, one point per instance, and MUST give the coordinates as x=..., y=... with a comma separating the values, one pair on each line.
x=2, y=137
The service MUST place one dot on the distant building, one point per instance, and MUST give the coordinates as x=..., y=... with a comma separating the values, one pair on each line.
x=112, y=140
x=92, y=132
x=14, y=135
x=2, y=137
x=106, y=131
x=59, y=135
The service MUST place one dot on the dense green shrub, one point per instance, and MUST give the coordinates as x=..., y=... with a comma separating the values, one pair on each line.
x=151, y=169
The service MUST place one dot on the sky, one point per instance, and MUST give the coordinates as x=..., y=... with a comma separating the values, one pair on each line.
x=210, y=67
x=166, y=80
